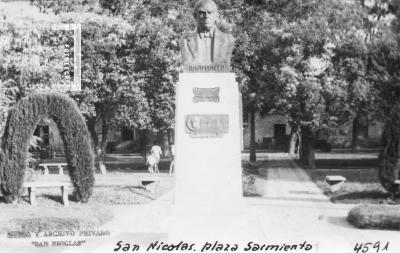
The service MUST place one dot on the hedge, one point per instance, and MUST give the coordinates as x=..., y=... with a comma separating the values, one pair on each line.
x=21, y=123
x=390, y=156
x=378, y=217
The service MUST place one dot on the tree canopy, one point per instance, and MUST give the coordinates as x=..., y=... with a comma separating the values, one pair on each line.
x=321, y=63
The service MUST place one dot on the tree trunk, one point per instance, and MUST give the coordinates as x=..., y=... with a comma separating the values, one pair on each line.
x=103, y=145
x=294, y=138
x=355, y=133
x=389, y=169
x=307, y=152
x=104, y=136
x=171, y=135
x=165, y=143
x=253, y=157
x=92, y=130
x=96, y=144
x=143, y=143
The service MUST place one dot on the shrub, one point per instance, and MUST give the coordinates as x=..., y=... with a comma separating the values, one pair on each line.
x=20, y=126
x=381, y=217
x=390, y=161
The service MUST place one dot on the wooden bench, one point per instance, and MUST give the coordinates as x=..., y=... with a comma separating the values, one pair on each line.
x=335, y=182
x=40, y=184
x=150, y=183
x=58, y=165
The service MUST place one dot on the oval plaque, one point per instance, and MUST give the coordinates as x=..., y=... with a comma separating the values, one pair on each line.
x=207, y=125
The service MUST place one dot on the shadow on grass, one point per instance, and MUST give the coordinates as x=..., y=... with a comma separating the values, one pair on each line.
x=371, y=195
x=22, y=199
x=364, y=162
x=135, y=189
x=3, y=200
x=339, y=221
x=251, y=194
x=58, y=199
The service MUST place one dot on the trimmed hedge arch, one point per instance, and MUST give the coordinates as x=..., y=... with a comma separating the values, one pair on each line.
x=21, y=124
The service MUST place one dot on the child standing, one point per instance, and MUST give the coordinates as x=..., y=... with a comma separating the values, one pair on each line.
x=156, y=153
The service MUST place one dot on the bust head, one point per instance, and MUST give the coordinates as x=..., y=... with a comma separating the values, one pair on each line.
x=206, y=14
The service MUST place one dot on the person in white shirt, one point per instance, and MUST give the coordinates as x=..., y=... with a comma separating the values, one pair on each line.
x=156, y=152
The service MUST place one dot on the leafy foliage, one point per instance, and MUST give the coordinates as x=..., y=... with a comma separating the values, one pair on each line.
x=58, y=6
x=321, y=63
x=6, y=101
x=30, y=54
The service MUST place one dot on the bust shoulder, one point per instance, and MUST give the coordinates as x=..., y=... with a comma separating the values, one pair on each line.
x=188, y=35
x=230, y=36
x=225, y=36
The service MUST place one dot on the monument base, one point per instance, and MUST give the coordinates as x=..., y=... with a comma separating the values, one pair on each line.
x=207, y=140
x=208, y=196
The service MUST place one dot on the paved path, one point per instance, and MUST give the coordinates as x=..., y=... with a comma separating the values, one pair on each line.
x=286, y=181
x=293, y=207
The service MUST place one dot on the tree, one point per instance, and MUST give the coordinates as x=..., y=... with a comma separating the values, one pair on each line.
x=385, y=61
x=138, y=60
x=128, y=67
x=370, y=24
x=304, y=64
x=253, y=62
x=30, y=55
x=285, y=57
x=275, y=59
x=108, y=83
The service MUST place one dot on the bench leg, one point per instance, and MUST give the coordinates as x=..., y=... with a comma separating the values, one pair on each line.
x=46, y=170
x=32, y=195
x=152, y=187
x=60, y=170
x=64, y=192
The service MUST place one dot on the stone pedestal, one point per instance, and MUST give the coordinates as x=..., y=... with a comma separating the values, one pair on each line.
x=208, y=175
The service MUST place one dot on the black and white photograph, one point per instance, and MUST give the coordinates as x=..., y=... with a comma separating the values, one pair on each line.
x=199, y=126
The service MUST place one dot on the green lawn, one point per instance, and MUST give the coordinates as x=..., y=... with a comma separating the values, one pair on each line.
x=39, y=218
x=362, y=184
x=50, y=214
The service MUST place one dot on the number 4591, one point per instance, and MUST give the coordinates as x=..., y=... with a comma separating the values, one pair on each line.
x=374, y=247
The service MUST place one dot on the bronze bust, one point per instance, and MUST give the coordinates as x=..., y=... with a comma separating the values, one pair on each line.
x=206, y=45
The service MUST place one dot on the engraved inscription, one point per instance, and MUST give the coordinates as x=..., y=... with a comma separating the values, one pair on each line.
x=207, y=125
x=213, y=68
x=206, y=95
